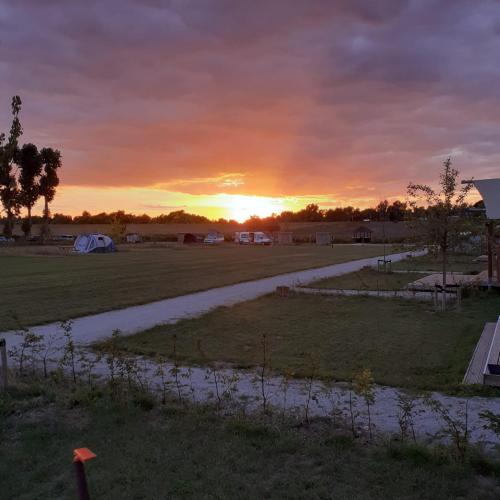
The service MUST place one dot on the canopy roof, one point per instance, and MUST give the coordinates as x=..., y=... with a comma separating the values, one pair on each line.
x=490, y=191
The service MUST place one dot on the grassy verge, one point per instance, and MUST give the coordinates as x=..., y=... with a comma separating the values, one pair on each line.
x=405, y=343
x=456, y=263
x=41, y=289
x=368, y=278
x=149, y=452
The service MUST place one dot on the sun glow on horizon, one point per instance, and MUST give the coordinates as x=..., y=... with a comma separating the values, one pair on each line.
x=73, y=200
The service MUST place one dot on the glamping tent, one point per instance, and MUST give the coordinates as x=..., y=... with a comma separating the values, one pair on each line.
x=94, y=243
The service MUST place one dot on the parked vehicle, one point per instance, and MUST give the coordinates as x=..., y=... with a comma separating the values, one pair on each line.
x=252, y=238
x=214, y=238
x=5, y=239
x=63, y=237
x=243, y=238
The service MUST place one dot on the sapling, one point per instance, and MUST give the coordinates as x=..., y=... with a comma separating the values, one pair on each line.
x=174, y=371
x=48, y=349
x=69, y=348
x=188, y=375
x=211, y=373
x=407, y=404
x=87, y=362
x=364, y=386
x=112, y=350
x=263, y=372
x=160, y=372
x=456, y=428
x=309, y=389
x=27, y=350
x=284, y=385
x=492, y=421
x=352, y=413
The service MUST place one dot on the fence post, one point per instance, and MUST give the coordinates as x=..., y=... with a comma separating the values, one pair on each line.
x=80, y=456
x=3, y=357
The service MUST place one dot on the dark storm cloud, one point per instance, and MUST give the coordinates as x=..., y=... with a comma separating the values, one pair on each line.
x=296, y=96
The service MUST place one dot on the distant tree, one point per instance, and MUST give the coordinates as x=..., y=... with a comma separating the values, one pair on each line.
x=30, y=168
x=49, y=180
x=397, y=211
x=62, y=219
x=9, y=193
x=444, y=223
x=382, y=210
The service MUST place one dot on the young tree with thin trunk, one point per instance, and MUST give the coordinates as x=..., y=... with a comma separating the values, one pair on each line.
x=444, y=224
x=30, y=169
x=49, y=180
x=9, y=194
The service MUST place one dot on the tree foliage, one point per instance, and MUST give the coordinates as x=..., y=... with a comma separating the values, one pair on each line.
x=444, y=223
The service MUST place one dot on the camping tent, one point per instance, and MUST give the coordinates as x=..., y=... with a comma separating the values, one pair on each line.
x=94, y=243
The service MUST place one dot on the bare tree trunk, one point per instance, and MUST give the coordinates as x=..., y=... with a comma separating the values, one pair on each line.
x=44, y=233
x=9, y=223
x=445, y=256
x=28, y=234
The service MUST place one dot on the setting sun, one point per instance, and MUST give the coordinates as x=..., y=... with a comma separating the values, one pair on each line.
x=243, y=207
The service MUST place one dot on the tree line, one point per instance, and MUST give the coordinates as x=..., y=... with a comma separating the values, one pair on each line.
x=27, y=173
x=395, y=212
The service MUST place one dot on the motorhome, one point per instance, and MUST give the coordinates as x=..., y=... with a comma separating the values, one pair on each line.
x=252, y=238
x=214, y=238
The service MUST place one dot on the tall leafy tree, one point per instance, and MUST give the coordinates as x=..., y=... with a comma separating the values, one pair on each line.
x=444, y=224
x=9, y=193
x=29, y=161
x=49, y=180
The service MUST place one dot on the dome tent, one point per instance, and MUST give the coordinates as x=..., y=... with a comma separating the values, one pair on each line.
x=94, y=243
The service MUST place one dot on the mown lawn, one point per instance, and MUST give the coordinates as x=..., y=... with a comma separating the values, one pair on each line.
x=174, y=452
x=368, y=278
x=405, y=343
x=44, y=288
x=455, y=263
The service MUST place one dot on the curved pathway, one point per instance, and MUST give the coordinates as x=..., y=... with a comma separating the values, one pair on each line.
x=134, y=319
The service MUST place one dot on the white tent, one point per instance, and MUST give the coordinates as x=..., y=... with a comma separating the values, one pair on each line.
x=490, y=192
x=94, y=243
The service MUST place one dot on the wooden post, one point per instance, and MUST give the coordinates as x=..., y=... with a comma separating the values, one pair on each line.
x=489, y=240
x=498, y=264
x=459, y=298
x=3, y=357
x=81, y=455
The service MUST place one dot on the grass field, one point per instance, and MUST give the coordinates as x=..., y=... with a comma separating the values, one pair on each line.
x=405, y=343
x=175, y=452
x=455, y=263
x=368, y=278
x=44, y=288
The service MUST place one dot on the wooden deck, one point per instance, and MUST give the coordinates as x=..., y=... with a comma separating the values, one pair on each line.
x=474, y=373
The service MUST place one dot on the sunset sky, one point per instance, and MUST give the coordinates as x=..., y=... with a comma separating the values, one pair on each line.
x=231, y=108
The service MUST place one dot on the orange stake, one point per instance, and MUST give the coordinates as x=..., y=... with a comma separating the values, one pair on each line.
x=80, y=456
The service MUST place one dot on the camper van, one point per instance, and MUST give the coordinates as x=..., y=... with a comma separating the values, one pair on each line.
x=214, y=238
x=252, y=238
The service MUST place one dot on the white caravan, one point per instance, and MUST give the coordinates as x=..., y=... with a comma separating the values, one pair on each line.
x=252, y=238
x=214, y=238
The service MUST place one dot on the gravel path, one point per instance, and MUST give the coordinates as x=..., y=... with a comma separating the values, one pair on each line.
x=134, y=319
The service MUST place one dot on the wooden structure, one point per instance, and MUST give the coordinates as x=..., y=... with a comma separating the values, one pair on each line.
x=324, y=238
x=133, y=238
x=484, y=367
x=283, y=238
x=362, y=234
x=189, y=238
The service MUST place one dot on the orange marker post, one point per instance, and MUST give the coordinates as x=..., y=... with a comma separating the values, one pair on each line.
x=80, y=456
